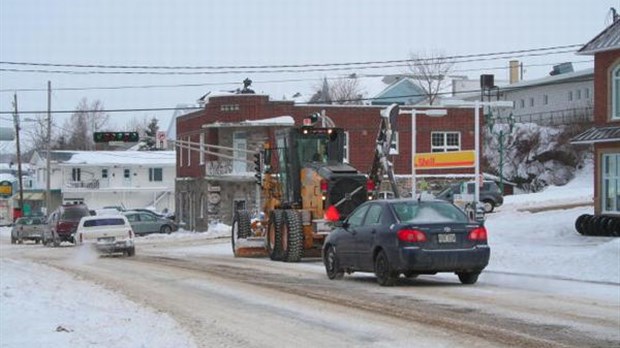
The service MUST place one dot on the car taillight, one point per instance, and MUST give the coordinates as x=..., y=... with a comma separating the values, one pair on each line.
x=332, y=214
x=370, y=185
x=411, y=236
x=81, y=238
x=130, y=233
x=478, y=234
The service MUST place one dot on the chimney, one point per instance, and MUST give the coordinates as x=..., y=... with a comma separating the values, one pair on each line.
x=513, y=71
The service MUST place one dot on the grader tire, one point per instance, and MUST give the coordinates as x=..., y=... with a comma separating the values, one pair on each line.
x=274, y=235
x=292, y=237
x=240, y=228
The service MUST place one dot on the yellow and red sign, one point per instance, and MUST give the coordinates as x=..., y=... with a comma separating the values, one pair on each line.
x=441, y=160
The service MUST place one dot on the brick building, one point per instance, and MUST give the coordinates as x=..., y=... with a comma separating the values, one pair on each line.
x=204, y=194
x=605, y=134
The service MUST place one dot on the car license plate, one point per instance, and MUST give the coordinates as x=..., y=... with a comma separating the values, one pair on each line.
x=105, y=240
x=446, y=238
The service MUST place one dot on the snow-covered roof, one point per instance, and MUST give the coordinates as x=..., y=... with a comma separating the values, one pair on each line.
x=577, y=76
x=156, y=158
x=281, y=121
x=7, y=177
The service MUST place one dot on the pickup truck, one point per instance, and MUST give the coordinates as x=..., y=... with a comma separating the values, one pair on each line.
x=107, y=234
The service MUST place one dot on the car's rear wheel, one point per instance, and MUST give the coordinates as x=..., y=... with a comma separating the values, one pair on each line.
x=468, y=277
x=165, y=229
x=274, y=235
x=332, y=264
x=386, y=276
x=488, y=206
x=13, y=240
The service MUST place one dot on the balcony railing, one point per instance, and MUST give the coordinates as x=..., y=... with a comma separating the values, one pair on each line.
x=89, y=185
x=227, y=167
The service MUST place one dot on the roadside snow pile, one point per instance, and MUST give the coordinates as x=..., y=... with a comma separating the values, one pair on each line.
x=218, y=230
x=57, y=310
x=577, y=191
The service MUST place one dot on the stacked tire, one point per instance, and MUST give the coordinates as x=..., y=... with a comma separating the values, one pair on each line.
x=598, y=225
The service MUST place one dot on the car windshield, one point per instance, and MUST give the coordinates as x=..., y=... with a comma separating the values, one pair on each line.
x=428, y=212
x=104, y=222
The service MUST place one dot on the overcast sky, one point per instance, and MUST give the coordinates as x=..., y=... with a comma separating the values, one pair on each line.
x=203, y=33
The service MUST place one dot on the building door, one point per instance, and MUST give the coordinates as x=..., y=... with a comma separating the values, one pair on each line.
x=239, y=146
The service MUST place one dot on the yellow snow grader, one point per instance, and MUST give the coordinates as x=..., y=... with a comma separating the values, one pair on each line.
x=305, y=185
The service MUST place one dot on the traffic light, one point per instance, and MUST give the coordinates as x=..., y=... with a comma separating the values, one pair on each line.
x=258, y=169
x=104, y=137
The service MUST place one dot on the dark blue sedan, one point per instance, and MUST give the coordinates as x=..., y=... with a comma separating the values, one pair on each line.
x=409, y=237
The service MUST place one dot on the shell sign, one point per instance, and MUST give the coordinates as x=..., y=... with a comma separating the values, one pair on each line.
x=6, y=188
x=441, y=160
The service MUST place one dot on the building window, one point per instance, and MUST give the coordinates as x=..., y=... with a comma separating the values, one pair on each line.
x=189, y=153
x=587, y=93
x=126, y=173
x=76, y=174
x=615, y=94
x=611, y=183
x=522, y=103
x=545, y=99
x=570, y=95
x=202, y=146
x=345, y=152
x=445, y=141
x=180, y=146
x=578, y=94
x=531, y=101
x=229, y=107
x=394, y=145
x=104, y=173
x=156, y=174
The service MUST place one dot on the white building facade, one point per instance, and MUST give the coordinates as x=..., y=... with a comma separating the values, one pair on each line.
x=130, y=179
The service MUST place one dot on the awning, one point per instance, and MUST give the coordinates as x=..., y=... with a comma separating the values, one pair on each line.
x=597, y=135
x=32, y=196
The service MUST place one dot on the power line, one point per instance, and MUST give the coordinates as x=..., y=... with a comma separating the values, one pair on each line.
x=348, y=67
x=234, y=67
x=505, y=88
x=235, y=83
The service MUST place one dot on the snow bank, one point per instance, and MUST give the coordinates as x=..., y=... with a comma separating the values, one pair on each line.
x=44, y=307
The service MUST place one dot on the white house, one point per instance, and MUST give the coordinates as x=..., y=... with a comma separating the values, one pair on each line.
x=133, y=179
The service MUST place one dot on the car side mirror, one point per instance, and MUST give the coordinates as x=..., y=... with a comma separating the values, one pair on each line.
x=341, y=223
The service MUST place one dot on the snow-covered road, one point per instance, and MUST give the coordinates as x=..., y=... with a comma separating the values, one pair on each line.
x=546, y=285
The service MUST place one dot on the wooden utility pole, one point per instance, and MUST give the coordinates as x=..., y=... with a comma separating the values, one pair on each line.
x=48, y=194
x=19, y=157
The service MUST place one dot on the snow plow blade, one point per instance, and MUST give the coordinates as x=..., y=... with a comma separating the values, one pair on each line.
x=250, y=247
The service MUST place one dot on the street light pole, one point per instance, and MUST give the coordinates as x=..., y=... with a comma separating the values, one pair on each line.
x=48, y=194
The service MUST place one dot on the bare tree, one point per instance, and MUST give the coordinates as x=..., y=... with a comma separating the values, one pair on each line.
x=87, y=119
x=35, y=134
x=429, y=72
x=343, y=91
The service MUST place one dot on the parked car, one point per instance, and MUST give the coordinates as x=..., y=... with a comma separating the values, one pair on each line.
x=62, y=223
x=145, y=223
x=409, y=237
x=107, y=234
x=163, y=214
x=27, y=228
x=490, y=194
